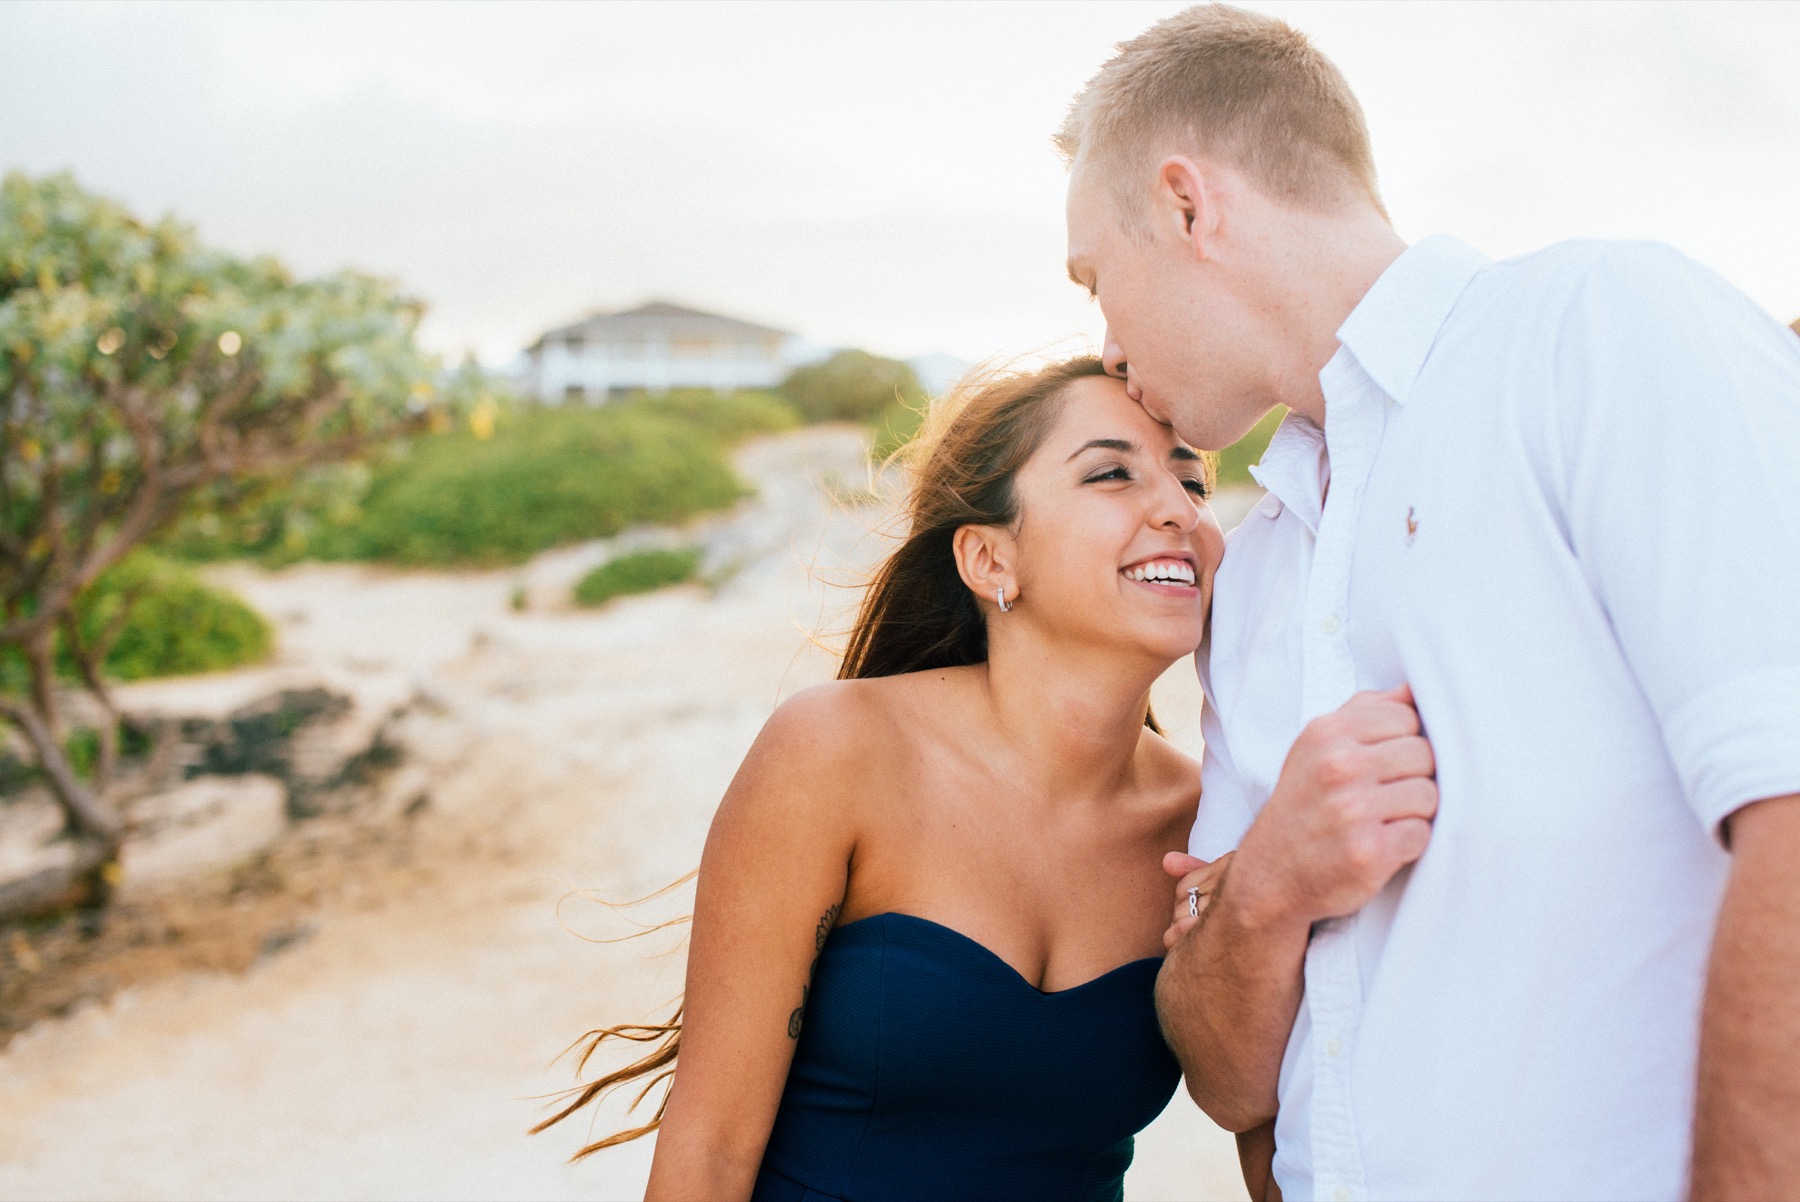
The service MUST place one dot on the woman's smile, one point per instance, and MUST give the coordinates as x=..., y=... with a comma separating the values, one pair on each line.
x=1169, y=575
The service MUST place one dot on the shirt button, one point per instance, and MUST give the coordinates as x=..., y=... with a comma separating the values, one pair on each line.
x=1341, y=1193
x=1271, y=507
x=1331, y=625
x=1334, y=1047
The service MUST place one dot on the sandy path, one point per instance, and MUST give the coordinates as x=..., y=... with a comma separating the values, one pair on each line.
x=395, y=1053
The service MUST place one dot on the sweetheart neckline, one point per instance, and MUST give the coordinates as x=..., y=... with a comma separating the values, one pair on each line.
x=996, y=957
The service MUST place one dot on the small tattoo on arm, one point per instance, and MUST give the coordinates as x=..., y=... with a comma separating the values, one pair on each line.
x=821, y=933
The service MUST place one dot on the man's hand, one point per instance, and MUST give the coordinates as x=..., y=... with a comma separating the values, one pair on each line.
x=1353, y=805
x=1191, y=873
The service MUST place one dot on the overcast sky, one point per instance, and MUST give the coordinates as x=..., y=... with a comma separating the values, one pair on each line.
x=865, y=174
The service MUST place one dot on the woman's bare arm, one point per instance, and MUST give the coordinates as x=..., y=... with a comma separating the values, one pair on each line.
x=772, y=881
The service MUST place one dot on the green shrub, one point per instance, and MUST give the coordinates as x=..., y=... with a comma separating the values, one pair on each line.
x=501, y=489
x=851, y=386
x=548, y=476
x=729, y=416
x=1235, y=460
x=174, y=622
x=277, y=521
x=637, y=572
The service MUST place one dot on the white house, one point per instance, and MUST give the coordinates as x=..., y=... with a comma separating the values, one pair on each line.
x=654, y=348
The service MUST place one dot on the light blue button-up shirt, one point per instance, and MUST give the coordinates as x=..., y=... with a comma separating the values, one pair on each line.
x=1559, y=505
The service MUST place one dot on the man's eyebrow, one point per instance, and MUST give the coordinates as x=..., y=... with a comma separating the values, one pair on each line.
x=1188, y=453
x=1106, y=444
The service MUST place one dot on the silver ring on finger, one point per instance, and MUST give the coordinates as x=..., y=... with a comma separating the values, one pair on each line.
x=1193, y=901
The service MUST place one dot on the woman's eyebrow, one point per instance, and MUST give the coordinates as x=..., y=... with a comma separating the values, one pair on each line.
x=1107, y=444
x=1184, y=453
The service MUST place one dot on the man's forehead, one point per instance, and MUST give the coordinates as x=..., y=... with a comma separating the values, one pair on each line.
x=1084, y=199
x=1086, y=223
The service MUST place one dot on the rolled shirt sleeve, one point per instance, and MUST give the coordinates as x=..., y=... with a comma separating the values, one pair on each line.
x=1677, y=407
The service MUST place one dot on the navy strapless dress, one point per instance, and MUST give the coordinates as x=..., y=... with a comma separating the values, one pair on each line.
x=929, y=1070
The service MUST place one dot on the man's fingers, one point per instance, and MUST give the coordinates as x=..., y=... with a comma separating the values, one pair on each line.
x=1178, y=863
x=1398, y=759
x=1406, y=838
x=1414, y=797
x=1376, y=717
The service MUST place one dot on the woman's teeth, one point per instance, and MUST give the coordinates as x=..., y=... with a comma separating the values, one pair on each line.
x=1163, y=571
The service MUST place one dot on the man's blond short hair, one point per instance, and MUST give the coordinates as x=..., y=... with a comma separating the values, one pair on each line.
x=1237, y=85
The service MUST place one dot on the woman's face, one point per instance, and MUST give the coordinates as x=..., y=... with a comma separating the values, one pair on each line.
x=1115, y=542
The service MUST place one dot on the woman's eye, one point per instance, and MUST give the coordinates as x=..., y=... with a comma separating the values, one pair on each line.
x=1197, y=487
x=1111, y=473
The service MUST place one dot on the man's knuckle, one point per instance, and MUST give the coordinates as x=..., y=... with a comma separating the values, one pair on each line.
x=1365, y=854
x=1339, y=767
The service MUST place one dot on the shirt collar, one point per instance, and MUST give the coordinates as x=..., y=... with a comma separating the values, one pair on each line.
x=1292, y=468
x=1393, y=327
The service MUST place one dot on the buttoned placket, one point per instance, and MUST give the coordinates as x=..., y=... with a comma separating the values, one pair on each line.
x=1355, y=417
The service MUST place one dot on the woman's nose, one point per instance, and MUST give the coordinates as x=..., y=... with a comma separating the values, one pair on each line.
x=1175, y=507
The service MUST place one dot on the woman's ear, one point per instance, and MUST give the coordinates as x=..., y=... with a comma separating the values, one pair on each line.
x=984, y=560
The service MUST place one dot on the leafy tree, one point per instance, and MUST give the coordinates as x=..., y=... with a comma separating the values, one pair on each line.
x=137, y=371
x=852, y=386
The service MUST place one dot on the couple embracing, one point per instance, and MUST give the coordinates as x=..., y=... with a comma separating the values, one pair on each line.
x=1494, y=884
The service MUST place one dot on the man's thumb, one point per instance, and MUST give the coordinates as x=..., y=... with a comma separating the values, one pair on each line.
x=1178, y=863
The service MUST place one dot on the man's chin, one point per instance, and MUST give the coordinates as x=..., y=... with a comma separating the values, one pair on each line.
x=1158, y=412
x=1164, y=414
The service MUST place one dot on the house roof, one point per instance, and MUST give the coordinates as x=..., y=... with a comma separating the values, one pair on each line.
x=660, y=316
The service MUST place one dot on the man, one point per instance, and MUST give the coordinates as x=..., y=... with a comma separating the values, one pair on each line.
x=1553, y=496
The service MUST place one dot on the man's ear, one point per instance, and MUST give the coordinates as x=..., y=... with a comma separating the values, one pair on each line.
x=1186, y=203
x=984, y=560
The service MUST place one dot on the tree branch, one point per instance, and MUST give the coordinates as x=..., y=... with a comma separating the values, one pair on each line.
x=84, y=809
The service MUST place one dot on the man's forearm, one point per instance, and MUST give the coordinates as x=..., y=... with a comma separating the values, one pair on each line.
x=1227, y=996
x=1747, y=1117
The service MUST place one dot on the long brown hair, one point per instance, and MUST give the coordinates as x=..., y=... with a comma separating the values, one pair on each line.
x=916, y=615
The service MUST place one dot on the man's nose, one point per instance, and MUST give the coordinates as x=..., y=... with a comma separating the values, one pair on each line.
x=1113, y=357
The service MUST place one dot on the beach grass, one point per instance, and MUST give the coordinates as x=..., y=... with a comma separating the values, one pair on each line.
x=637, y=572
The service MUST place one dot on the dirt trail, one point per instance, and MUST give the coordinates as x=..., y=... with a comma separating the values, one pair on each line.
x=396, y=1051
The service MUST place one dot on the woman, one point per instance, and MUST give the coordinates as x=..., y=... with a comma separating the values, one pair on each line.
x=931, y=910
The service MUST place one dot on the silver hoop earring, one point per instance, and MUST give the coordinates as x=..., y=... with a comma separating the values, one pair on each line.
x=1000, y=595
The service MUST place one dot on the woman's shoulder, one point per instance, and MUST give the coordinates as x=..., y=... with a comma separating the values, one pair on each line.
x=876, y=708
x=824, y=751
x=836, y=725
x=837, y=711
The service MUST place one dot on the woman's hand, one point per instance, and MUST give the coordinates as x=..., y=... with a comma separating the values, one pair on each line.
x=1196, y=881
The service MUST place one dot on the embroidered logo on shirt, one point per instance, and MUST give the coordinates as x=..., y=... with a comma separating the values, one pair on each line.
x=1412, y=525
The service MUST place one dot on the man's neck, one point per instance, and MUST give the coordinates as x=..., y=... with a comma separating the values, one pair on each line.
x=1327, y=269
